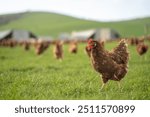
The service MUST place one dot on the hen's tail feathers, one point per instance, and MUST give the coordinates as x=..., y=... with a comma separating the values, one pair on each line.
x=121, y=52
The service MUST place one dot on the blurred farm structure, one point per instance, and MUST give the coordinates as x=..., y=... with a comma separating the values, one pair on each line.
x=102, y=33
x=17, y=35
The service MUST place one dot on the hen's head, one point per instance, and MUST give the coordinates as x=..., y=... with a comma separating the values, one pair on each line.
x=92, y=44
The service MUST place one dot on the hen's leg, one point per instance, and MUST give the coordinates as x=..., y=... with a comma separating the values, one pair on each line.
x=102, y=86
x=104, y=80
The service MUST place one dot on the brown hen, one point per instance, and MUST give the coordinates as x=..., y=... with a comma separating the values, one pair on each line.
x=40, y=47
x=73, y=47
x=141, y=48
x=111, y=65
x=58, y=50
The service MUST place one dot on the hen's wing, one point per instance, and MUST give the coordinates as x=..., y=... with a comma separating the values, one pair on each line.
x=120, y=54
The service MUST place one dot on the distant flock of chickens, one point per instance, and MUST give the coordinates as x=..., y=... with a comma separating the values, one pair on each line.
x=141, y=47
x=111, y=65
x=40, y=45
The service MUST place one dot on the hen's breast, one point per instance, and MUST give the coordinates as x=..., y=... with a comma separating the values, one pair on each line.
x=103, y=63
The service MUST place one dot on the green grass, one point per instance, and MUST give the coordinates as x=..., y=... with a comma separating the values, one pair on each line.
x=42, y=23
x=24, y=75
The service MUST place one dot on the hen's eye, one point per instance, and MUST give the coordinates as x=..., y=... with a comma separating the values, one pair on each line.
x=94, y=44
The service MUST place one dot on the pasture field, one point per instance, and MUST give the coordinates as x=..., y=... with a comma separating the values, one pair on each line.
x=24, y=75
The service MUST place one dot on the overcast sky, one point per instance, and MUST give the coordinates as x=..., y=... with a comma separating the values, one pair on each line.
x=102, y=10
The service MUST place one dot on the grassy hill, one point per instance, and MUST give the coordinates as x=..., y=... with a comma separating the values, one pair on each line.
x=43, y=23
x=4, y=19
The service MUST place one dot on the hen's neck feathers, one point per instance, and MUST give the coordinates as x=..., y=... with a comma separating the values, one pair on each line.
x=98, y=52
x=99, y=48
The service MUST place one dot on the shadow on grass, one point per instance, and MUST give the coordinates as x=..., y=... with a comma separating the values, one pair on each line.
x=34, y=69
x=21, y=69
x=53, y=68
x=5, y=57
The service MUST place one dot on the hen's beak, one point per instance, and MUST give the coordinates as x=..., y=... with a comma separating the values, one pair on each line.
x=88, y=48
